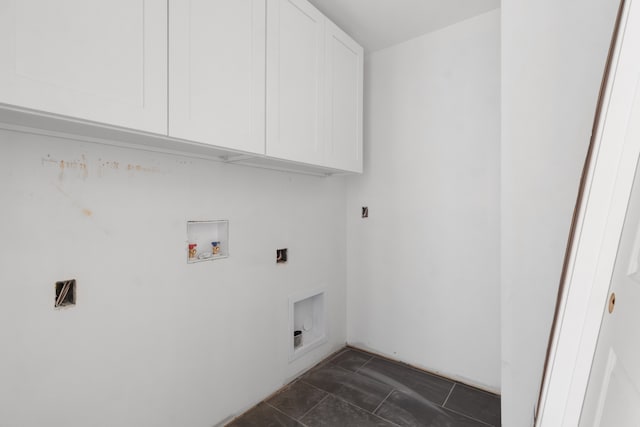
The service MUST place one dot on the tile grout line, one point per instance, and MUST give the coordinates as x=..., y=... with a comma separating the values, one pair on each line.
x=364, y=364
x=356, y=374
x=453, y=384
x=343, y=369
x=316, y=387
x=461, y=413
x=383, y=400
x=378, y=407
x=313, y=407
x=470, y=417
x=335, y=356
x=422, y=370
x=448, y=395
x=335, y=396
x=363, y=367
x=285, y=414
x=347, y=371
x=386, y=420
x=478, y=390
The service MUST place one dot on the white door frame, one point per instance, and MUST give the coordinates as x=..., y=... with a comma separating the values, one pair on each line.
x=600, y=211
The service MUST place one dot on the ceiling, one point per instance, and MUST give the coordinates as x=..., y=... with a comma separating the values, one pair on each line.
x=377, y=24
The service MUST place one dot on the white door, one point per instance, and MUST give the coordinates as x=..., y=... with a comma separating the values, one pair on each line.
x=103, y=61
x=295, y=64
x=343, y=96
x=613, y=391
x=217, y=72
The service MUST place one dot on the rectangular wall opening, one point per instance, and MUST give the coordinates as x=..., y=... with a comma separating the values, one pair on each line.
x=207, y=240
x=65, y=293
x=307, y=314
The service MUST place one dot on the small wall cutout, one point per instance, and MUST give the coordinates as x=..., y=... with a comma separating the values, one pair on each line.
x=365, y=212
x=65, y=293
x=281, y=256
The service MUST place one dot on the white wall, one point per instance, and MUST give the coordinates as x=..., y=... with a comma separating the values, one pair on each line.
x=153, y=341
x=553, y=56
x=423, y=269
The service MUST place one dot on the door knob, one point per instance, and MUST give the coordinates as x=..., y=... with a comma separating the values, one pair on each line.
x=612, y=302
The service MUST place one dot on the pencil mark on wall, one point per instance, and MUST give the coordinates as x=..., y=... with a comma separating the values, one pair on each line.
x=78, y=165
x=81, y=166
x=140, y=168
x=107, y=166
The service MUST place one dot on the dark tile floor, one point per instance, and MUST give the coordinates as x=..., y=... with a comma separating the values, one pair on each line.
x=357, y=389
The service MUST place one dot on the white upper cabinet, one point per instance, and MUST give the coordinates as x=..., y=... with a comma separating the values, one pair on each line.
x=314, y=88
x=343, y=100
x=103, y=61
x=271, y=80
x=217, y=72
x=295, y=71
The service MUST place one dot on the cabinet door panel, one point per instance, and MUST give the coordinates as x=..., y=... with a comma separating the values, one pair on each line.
x=295, y=61
x=344, y=59
x=216, y=69
x=94, y=60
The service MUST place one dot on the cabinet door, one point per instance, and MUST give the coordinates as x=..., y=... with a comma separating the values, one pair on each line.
x=103, y=61
x=295, y=61
x=343, y=114
x=216, y=71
